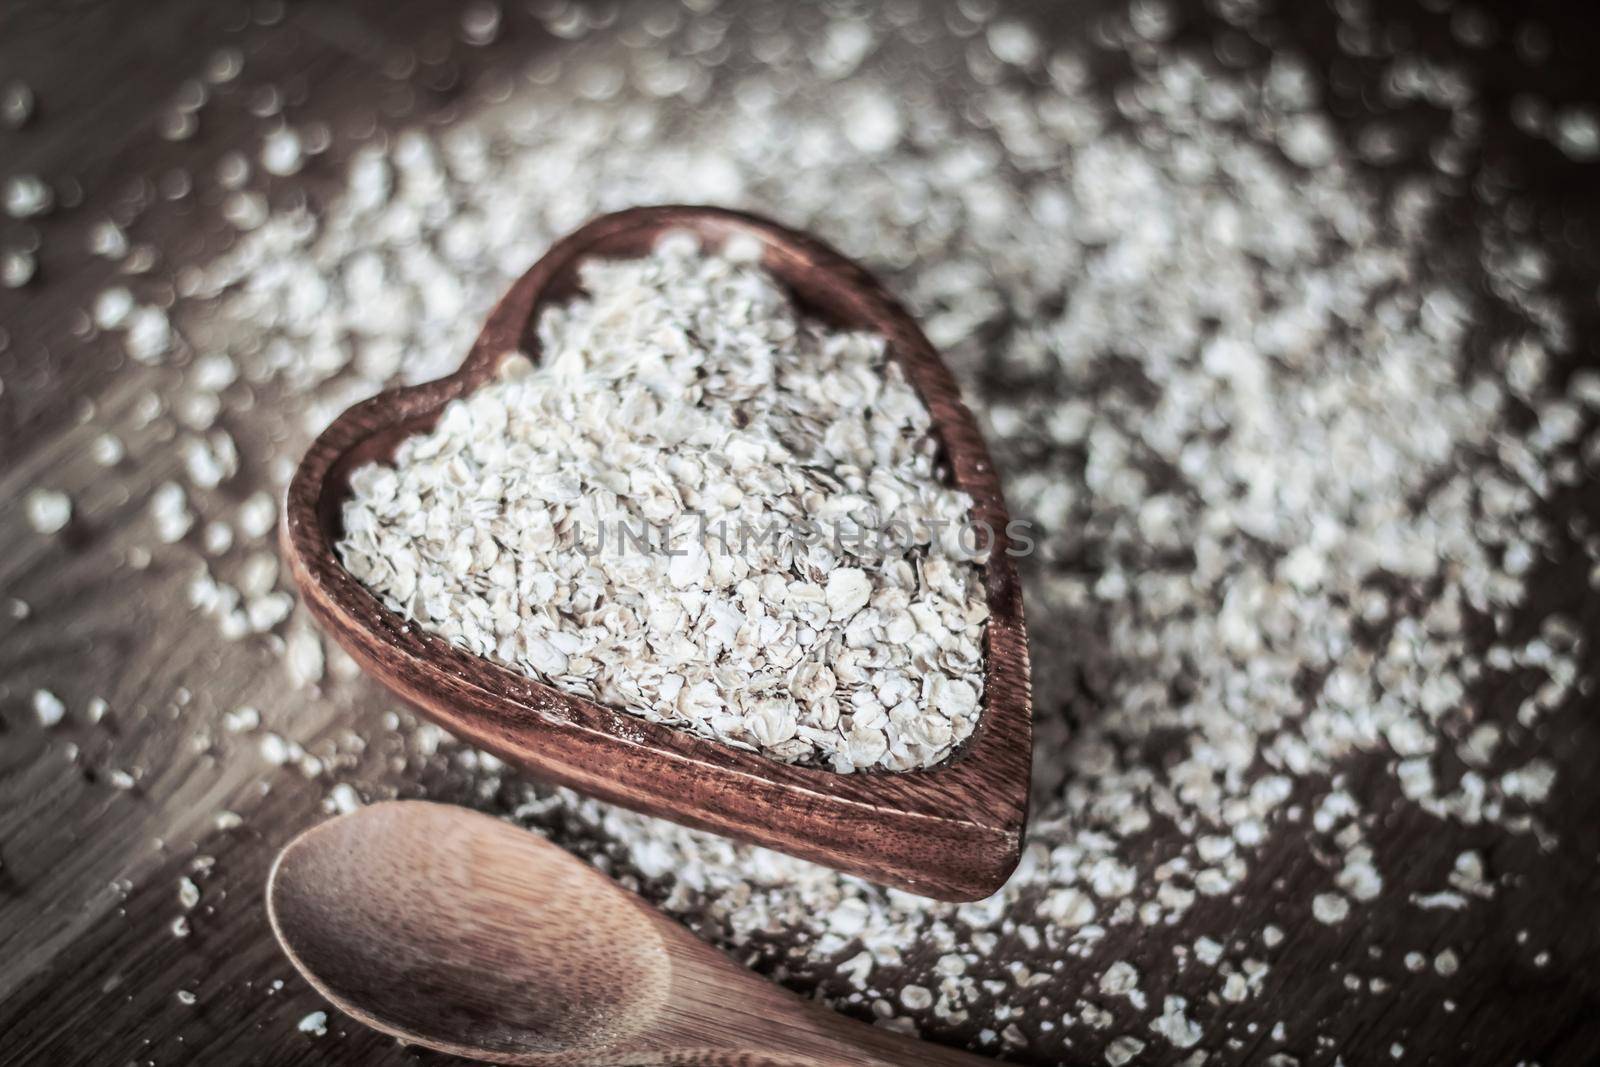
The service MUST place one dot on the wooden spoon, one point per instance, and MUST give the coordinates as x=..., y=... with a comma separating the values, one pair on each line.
x=953, y=831
x=453, y=930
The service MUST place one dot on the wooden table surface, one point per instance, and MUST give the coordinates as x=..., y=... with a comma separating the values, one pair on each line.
x=89, y=962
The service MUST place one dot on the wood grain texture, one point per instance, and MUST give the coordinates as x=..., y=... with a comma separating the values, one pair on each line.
x=458, y=932
x=89, y=964
x=953, y=831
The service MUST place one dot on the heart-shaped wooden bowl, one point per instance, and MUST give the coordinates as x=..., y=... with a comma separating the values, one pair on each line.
x=952, y=831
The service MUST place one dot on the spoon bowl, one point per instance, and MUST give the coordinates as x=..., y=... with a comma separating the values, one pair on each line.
x=352, y=902
x=461, y=933
x=952, y=831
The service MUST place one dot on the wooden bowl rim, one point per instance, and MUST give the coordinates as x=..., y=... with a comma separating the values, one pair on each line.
x=982, y=787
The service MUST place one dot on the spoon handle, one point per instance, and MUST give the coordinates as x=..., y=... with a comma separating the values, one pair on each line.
x=722, y=1015
x=765, y=1026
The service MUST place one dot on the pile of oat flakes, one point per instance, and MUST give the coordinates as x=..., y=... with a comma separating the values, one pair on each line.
x=701, y=508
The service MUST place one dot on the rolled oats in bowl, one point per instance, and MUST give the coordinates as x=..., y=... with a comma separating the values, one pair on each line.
x=700, y=506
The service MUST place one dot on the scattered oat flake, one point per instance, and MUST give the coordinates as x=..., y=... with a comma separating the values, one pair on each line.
x=1123, y=1050
x=48, y=707
x=49, y=511
x=1330, y=908
x=1179, y=1030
